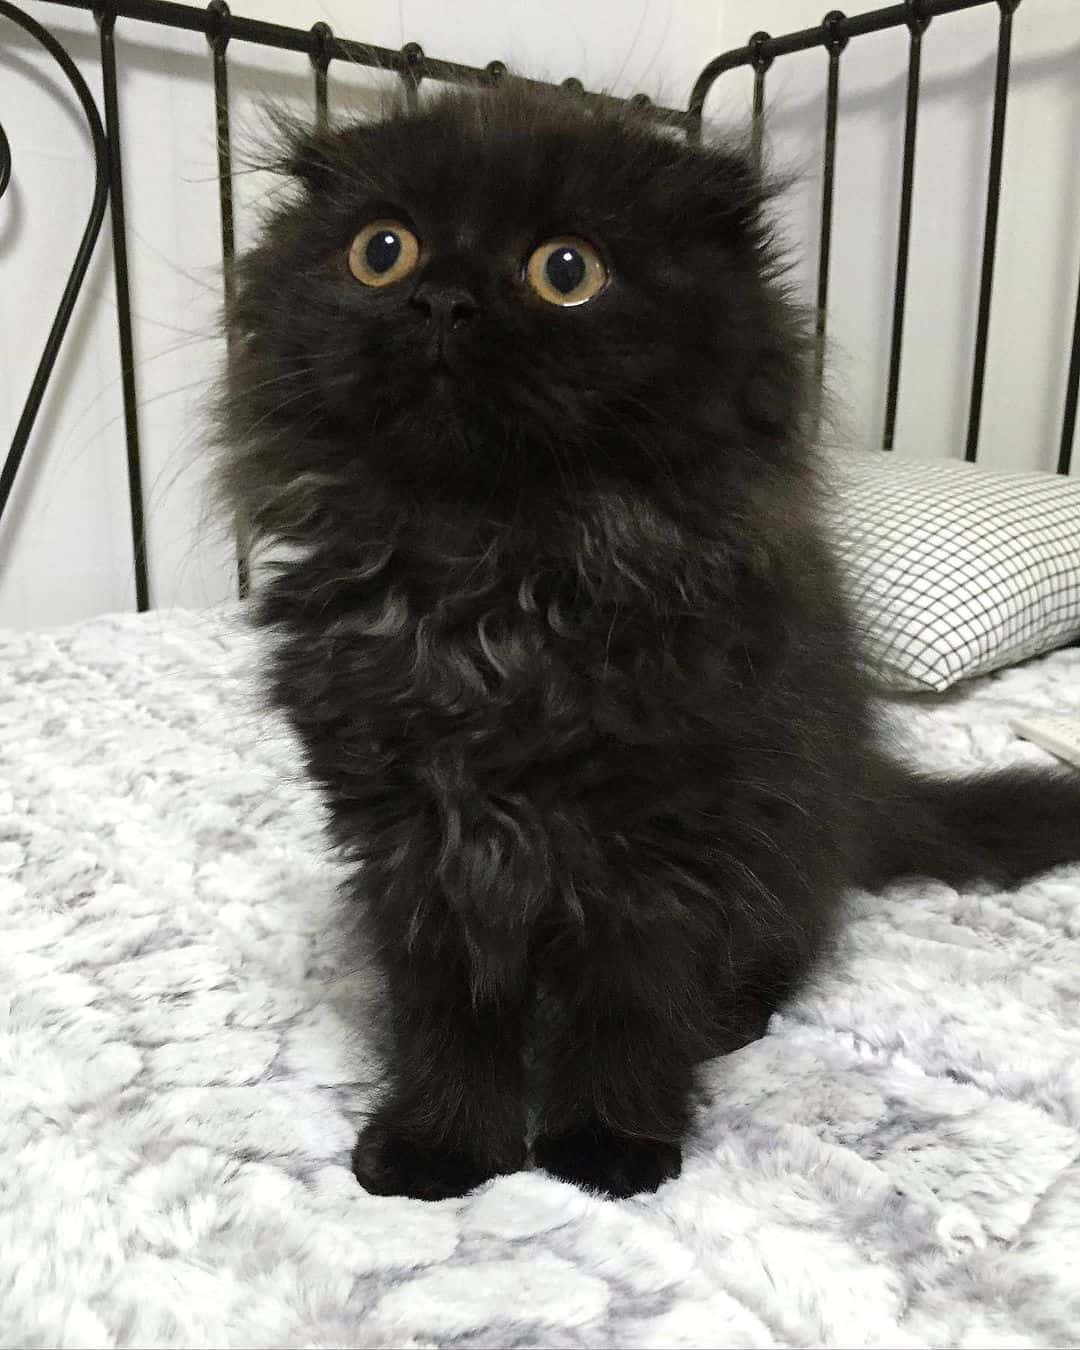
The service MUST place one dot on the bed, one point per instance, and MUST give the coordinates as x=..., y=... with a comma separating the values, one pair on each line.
x=184, y=1064
x=185, y=1055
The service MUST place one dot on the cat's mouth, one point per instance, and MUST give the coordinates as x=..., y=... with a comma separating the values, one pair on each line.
x=441, y=362
x=442, y=369
x=438, y=382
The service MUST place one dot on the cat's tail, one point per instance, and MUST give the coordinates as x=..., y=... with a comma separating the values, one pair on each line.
x=1001, y=826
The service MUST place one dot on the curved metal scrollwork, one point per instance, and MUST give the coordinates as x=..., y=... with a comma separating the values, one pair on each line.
x=5, y=162
x=86, y=244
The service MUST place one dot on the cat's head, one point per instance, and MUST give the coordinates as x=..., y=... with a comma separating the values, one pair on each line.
x=501, y=295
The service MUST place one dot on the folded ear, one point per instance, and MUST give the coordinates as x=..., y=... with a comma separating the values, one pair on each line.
x=722, y=190
x=315, y=158
x=319, y=157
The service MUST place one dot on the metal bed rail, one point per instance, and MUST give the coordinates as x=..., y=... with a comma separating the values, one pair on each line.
x=833, y=34
x=412, y=66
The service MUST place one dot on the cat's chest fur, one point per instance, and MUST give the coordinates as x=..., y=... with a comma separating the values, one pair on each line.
x=443, y=695
x=404, y=641
x=428, y=638
x=496, y=678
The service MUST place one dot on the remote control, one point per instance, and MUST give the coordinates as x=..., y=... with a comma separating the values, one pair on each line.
x=1059, y=735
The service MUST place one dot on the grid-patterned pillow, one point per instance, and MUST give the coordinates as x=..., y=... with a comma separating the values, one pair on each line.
x=953, y=570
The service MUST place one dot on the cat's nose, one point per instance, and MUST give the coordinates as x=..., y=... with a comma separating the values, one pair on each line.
x=448, y=305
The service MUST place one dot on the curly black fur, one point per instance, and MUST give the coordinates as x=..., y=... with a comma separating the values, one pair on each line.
x=559, y=632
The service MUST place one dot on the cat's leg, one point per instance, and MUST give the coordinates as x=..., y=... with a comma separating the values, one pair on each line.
x=453, y=1113
x=617, y=1099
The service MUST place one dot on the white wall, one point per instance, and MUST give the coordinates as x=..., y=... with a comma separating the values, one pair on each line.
x=64, y=547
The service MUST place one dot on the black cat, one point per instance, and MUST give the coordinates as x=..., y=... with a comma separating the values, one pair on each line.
x=516, y=378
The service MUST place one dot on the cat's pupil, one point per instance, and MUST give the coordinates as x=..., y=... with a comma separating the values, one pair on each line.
x=565, y=269
x=383, y=251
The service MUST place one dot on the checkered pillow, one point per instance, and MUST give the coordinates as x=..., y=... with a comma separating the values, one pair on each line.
x=953, y=570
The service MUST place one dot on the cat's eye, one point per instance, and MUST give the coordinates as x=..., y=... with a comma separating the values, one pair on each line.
x=383, y=252
x=566, y=271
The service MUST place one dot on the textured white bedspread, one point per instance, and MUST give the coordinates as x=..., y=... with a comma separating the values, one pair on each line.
x=183, y=1059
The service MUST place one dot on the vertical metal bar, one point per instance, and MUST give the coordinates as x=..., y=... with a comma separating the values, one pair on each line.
x=761, y=62
x=917, y=24
x=219, y=40
x=412, y=61
x=322, y=116
x=835, y=42
x=107, y=20
x=993, y=196
x=1072, y=383
x=322, y=38
x=756, y=117
x=218, y=36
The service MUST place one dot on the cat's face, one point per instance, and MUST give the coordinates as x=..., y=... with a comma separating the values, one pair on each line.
x=506, y=290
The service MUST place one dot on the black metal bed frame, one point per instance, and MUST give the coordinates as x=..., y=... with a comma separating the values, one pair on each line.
x=412, y=66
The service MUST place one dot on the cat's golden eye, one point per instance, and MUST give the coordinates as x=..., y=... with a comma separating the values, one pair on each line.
x=566, y=271
x=383, y=252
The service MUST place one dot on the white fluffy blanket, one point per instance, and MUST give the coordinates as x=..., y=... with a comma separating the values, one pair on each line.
x=183, y=1060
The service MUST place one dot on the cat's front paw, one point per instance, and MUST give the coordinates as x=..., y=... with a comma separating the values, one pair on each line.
x=594, y=1156
x=386, y=1162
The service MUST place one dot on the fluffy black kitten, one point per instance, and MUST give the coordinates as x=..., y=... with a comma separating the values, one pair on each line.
x=516, y=378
